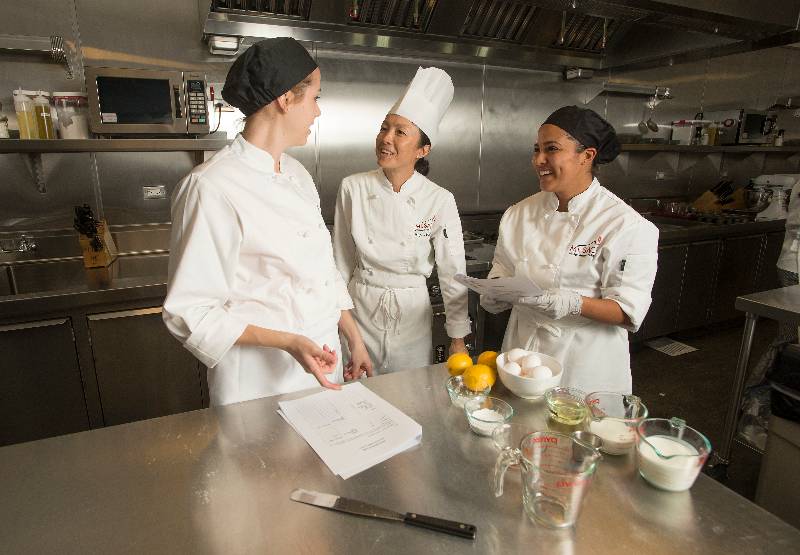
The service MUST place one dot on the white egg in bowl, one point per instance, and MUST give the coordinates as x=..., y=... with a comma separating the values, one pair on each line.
x=529, y=382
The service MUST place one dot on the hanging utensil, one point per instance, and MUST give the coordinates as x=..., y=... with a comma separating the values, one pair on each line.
x=643, y=129
x=605, y=34
x=563, y=32
x=652, y=125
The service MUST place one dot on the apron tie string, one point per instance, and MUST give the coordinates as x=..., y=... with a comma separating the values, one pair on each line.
x=555, y=331
x=386, y=317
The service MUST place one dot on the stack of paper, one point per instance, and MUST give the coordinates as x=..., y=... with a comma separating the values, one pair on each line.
x=352, y=429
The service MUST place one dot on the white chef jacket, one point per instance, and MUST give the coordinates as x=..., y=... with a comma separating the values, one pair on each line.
x=249, y=246
x=385, y=246
x=788, y=259
x=601, y=248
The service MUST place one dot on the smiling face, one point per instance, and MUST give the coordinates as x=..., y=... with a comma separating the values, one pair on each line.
x=397, y=144
x=303, y=108
x=563, y=168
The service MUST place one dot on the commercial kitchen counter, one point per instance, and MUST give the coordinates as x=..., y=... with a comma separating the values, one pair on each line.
x=218, y=481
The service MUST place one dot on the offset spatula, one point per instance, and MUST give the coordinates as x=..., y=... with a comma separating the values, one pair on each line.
x=345, y=505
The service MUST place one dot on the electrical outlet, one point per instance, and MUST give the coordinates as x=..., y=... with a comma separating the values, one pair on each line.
x=154, y=192
x=659, y=175
x=218, y=97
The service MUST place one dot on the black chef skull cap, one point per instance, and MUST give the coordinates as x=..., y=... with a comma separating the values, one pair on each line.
x=589, y=129
x=265, y=71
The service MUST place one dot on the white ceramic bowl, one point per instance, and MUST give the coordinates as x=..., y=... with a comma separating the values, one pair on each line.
x=530, y=388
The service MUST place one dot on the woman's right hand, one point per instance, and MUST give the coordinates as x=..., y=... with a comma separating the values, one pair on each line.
x=314, y=360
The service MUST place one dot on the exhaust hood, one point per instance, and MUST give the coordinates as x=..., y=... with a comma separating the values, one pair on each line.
x=541, y=34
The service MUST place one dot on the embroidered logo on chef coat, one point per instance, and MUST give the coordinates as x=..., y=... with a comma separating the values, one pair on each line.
x=423, y=228
x=586, y=250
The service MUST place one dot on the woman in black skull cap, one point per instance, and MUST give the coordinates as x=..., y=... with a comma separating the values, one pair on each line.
x=253, y=291
x=593, y=256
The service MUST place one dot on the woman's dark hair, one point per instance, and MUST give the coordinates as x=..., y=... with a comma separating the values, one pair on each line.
x=423, y=166
x=580, y=147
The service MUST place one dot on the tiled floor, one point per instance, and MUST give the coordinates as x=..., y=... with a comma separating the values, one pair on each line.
x=697, y=387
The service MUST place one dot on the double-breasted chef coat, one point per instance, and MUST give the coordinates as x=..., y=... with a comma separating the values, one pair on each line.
x=385, y=246
x=249, y=246
x=601, y=248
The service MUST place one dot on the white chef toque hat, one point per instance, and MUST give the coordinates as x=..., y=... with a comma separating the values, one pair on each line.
x=426, y=100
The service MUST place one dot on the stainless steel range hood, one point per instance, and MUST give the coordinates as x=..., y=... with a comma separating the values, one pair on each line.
x=541, y=34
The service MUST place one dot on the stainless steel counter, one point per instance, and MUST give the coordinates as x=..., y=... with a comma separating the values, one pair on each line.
x=218, y=481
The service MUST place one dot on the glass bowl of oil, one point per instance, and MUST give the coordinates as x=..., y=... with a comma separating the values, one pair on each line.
x=567, y=405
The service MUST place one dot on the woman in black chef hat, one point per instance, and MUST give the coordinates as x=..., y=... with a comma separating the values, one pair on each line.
x=593, y=256
x=253, y=290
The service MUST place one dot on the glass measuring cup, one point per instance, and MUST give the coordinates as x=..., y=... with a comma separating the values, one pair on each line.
x=614, y=417
x=556, y=469
x=670, y=454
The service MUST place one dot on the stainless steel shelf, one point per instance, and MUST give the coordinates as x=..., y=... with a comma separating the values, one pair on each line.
x=110, y=145
x=744, y=149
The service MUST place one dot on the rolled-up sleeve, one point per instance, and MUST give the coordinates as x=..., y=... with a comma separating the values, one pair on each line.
x=448, y=248
x=204, y=252
x=630, y=270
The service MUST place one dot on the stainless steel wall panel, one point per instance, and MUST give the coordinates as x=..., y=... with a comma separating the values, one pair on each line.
x=123, y=175
x=703, y=170
x=516, y=102
x=357, y=93
x=740, y=168
x=23, y=207
x=782, y=162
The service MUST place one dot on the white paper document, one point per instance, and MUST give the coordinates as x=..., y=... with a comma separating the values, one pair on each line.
x=508, y=289
x=352, y=429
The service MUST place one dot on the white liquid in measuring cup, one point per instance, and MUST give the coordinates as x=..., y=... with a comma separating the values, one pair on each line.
x=618, y=438
x=673, y=474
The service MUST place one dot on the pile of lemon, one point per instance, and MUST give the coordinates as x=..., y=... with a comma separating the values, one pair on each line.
x=476, y=377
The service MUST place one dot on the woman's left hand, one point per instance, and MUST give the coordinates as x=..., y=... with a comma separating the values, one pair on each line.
x=556, y=303
x=458, y=346
x=359, y=364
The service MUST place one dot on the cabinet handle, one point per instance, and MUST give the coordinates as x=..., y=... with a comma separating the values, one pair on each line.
x=124, y=313
x=31, y=325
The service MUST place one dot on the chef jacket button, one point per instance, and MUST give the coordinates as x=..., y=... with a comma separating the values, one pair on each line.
x=369, y=240
x=327, y=282
x=369, y=271
x=320, y=226
x=403, y=243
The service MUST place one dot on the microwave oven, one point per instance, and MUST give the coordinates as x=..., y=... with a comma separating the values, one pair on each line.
x=744, y=127
x=146, y=102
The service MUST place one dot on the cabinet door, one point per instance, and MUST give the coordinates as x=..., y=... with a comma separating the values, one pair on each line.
x=767, y=272
x=142, y=371
x=662, y=317
x=697, y=293
x=738, y=270
x=41, y=393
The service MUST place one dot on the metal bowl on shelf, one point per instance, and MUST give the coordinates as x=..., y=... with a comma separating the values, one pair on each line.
x=758, y=199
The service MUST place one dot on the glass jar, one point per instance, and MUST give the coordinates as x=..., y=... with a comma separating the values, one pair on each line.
x=44, y=116
x=26, y=118
x=72, y=114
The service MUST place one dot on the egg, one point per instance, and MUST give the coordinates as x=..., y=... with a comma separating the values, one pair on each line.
x=540, y=372
x=512, y=368
x=531, y=361
x=515, y=354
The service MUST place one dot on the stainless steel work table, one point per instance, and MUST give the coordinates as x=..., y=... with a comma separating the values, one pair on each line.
x=218, y=481
x=781, y=304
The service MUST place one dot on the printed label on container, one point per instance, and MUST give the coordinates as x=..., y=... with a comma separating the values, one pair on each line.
x=108, y=117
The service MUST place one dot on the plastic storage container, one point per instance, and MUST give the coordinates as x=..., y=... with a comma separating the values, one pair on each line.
x=26, y=118
x=44, y=116
x=72, y=114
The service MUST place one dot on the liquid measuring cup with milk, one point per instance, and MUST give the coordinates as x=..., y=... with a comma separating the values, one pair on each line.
x=557, y=471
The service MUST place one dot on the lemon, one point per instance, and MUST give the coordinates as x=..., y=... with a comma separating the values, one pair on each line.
x=489, y=358
x=458, y=362
x=479, y=377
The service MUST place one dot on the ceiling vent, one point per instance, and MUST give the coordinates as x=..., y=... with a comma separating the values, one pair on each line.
x=295, y=9
x=585, y=32
x=409, y=15
x=505, y=20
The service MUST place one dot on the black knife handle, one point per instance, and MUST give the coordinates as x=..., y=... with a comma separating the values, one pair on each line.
x=440, y=525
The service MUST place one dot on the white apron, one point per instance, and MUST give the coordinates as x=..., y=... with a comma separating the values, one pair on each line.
x=394, y=315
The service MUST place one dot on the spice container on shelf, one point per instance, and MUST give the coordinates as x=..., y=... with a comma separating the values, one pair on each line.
x=778, y=141
x=26, y=118
x=43, y=116
x=72, y=114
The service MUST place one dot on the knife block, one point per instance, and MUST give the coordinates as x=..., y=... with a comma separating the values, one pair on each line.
x=98, y=258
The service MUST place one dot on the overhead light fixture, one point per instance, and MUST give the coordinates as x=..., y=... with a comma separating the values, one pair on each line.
x=226, y=46
x=578, y=73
